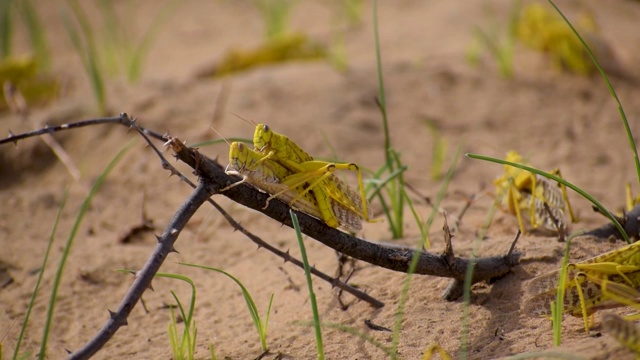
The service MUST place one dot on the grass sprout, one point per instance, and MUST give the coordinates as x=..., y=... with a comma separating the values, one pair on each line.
x=393, y=205
x=34, y=294
x=113, y=43
x=605, y=78
x=24, y=9
x=414, y=259
x=260, y=323
x=439, y=150
x=312, y=295
x=276, y=15
x=557, y=306
x=121, y=50
x=499, y=40
x=81, y=36
x=67, y=248
x=183, y=346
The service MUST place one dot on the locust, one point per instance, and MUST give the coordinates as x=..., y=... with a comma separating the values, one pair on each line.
x=535, y=196
x=605, y=281
x=318, y=175
x=625, y=331
x=269, y=176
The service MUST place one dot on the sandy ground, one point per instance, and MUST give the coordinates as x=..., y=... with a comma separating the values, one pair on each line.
x=553, y=119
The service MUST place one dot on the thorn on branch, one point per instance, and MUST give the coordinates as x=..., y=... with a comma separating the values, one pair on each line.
x=11, y=136
x=449, y=257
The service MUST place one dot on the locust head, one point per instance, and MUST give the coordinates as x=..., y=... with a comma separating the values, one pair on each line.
x=262, y=137
x=238, y=157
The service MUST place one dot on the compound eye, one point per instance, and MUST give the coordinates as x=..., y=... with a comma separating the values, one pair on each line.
x=266, y=128
x=240, y=146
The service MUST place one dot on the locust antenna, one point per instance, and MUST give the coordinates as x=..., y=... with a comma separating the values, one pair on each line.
x=221, y=136
x=250, y=122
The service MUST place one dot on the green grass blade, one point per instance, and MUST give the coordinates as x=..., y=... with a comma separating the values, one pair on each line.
x=389, y=185
x=192, y=347
x=422, y=227
x=192, y=304
x=113, y=36
x=34, y=294
x=173, y=336
x=632, y=142
x=185, y=340
x=188, y=339
x=219, y=141
x=414, y=259
x=267, y=317
x=395, y=188
x=37, y=33
x=67, y=248
x=134, y=68
x=381, y=184
x=398, y=196
x=87, y=52
x=74, y=36
x=6, y=29
x=312, y=295
x=381, y=92
x=442, y=192
x=251, y=305
x=276, y=15
x=212, y=352
x=557, y=308
x=438, y=150
x=562, y=181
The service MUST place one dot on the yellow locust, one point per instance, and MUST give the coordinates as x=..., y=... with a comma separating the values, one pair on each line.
x=526, y=193
x=605, y=281
x=625, y=331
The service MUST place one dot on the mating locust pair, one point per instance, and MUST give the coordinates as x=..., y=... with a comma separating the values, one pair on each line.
x=281, y=168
